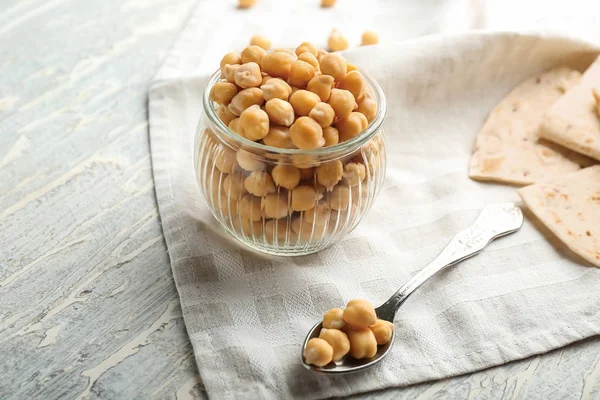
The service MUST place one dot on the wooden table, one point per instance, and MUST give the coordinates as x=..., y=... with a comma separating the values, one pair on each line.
x=88, y=307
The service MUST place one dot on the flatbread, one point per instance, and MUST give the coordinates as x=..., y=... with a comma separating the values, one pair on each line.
x=570, y=207
x=573, y=121
x=507, y=148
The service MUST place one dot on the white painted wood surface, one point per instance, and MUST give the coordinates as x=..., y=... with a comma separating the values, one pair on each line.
x=88, y=308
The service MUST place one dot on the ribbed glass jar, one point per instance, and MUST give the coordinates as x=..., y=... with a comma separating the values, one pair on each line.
x=302, y=218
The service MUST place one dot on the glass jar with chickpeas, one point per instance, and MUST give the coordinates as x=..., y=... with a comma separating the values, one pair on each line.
x=290, y=150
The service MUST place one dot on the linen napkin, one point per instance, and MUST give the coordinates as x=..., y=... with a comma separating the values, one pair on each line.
x=247, y=314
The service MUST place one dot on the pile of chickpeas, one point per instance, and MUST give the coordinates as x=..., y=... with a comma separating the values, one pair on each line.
x=355, y=330
x=303, y=99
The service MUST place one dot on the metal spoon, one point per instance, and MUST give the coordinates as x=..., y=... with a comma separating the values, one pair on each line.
x=494, y=221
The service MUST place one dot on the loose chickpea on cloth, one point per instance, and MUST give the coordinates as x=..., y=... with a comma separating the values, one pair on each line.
x=247, y=315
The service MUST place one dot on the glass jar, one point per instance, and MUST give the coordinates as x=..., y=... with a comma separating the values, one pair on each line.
x=291, y=217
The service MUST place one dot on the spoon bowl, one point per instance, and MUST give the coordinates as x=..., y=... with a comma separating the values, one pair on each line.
x=494, y=221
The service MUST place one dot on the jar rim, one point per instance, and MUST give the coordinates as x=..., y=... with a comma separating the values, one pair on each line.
x=347, y=146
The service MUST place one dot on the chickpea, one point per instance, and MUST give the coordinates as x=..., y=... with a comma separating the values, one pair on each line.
x=301, y=73
x=307, y=134
x=286, y=176
x=253, y=54
x=275, y=205
x=229, y=72
x=307, y=231
x=247, y=227
x=248, y=75
x=337, y=41
x=327, y=3
x=322, y=113
x=304, y=198
x=321, y=53
x=303, y=101
x=229, y=58
x=233, y=185
x=362, y=343
x=246, y=98
x=252, y=228
x=338, y=341
x=260, y=41
x=321, y=85
x=318, y=352
x=225, y=159
x=227, y=206
x=306, y=47
x=278, y=64
x=342, y=101
x=330, y=173
x=250, y=207
x=353, y=82
x=360, y=313
x=367, y=106
x=351, y=126
x=249, y=161
x=279, y=136
x=320, y=189
x=225, y=114
x=276, y=88
x=259, y=183
x=360, y=197
x=368, y=38
x=382, y=330
x=305, y=173
x=302, y=160
x=222, y=92
x=333, y=319
x=318, y=215
x=309, y=58
x=254, y=123
x=281, y=230
x=351, y=67
x=246, y=3
x=354, y=173
x=339, y=197
x=265, y=79
x=235, y=126
x=370, y=148
x=334, y=65
x=331, y=136
x=280, y=112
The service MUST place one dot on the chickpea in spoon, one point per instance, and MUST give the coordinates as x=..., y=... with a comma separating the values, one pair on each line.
x=348, y=331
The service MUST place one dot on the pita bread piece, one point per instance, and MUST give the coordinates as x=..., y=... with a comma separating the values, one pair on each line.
x=574, y=120
x=507, y=148
x=570, y=207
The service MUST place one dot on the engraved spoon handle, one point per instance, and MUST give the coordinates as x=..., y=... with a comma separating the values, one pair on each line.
x=494, y=221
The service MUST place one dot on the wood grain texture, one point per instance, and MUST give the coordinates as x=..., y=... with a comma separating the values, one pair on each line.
x=88, y=307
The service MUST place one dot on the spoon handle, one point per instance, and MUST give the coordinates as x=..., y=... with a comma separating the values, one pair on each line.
x=494, y=221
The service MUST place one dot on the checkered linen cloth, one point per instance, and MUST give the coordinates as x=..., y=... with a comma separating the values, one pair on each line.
x=247, y=314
